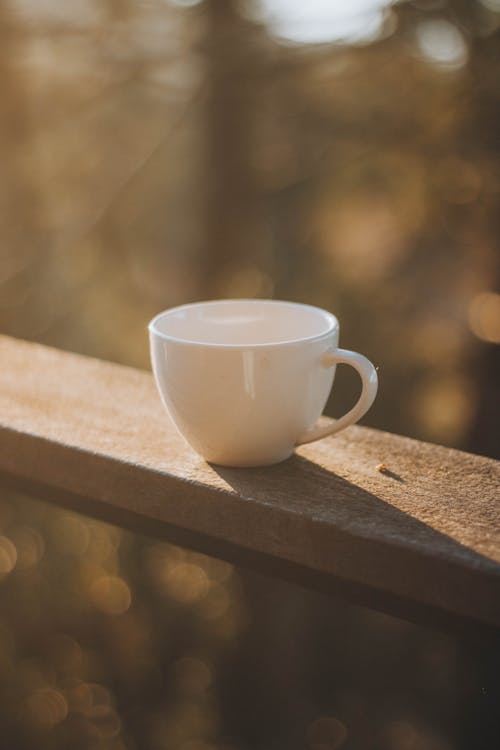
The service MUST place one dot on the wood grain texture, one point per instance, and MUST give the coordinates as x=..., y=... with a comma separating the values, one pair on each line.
x=424, y=534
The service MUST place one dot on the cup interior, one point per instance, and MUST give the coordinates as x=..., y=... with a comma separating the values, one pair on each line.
x=243, y=323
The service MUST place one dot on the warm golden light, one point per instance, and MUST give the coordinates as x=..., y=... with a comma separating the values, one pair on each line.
x=29, y=544
x=163, y=151
x=443, y=407
x=216, y=603
x=362, y=238
x=484, y=316
x=111, y=595
x=45, y=708
x=186, y=582
x=104, y=542
x=159, y=557
x=8, y=556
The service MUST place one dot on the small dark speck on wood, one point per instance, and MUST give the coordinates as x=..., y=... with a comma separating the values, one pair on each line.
x=382, y=468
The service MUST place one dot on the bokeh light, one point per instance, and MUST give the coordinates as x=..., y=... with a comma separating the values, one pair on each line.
x=8, y=556
x=216, y=603
x=45, y=708
x=186, y=582
x=110, y=594
x=321, y=21
x=29, y=545
x=442, y=43
x=484, y=316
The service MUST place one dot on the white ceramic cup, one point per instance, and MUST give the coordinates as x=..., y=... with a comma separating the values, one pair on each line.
x=245, y=381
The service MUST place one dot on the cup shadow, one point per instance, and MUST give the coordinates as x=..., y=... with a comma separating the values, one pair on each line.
x=374, y=550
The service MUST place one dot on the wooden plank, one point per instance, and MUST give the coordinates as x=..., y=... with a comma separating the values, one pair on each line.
x=421, y=537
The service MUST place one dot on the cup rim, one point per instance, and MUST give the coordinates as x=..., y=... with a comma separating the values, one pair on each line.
x=333, y=324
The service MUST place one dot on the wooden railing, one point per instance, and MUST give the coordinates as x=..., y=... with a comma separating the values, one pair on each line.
x=386, y=521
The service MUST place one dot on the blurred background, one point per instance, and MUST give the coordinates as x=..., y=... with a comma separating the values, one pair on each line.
x=156, y=152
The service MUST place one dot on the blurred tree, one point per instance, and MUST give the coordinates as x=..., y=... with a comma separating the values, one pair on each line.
x=235, y=52
x=18, y=196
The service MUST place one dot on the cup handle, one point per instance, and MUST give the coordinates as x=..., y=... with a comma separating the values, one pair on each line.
x=369, y=380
